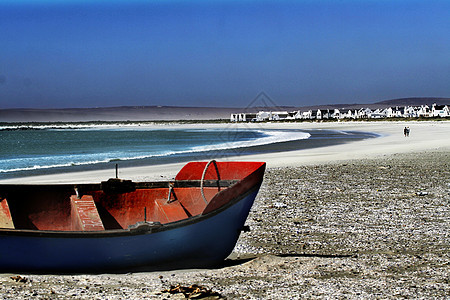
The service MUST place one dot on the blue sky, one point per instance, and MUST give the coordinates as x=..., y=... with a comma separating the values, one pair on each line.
x=221, y=53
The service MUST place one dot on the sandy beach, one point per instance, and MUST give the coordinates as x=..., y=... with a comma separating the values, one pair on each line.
x=362, y=220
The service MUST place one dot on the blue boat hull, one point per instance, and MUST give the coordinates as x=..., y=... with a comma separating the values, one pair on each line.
x=199, y=241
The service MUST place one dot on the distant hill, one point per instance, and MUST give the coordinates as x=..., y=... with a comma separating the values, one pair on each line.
x=416, y=101
x=173, y=113
x=122, y=113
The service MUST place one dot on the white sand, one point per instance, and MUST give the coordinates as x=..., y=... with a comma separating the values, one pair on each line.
x=424, y=136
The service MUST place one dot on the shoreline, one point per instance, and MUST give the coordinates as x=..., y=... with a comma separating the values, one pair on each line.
x=425, y=136
x=223, y=142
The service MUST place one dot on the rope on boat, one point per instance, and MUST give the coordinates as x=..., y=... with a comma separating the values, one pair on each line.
x=203, y=178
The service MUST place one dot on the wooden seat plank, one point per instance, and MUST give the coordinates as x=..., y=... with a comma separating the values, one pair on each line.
x=85, y=215
x=5, y=215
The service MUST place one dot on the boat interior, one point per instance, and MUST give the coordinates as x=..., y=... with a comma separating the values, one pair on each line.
x=199, y=188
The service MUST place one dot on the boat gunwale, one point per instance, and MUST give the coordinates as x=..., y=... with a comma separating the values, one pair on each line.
x=138, y=184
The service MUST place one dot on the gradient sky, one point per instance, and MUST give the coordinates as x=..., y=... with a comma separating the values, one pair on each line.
x=221, y=53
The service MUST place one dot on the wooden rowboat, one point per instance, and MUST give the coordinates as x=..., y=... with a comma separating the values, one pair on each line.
x=193, y=221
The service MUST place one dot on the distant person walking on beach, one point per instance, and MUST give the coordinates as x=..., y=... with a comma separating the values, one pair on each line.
x=406, y=131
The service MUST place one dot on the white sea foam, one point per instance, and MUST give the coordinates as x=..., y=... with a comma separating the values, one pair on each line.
x=270, y=137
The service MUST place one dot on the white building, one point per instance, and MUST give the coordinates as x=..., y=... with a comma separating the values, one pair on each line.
x=440, y=111
x=279, y=115
x=307, y=115
x=410, y=112
x=336, y=114
x=296, y=115
x=323, y=114
x=242, y=117
x=424, y=111
x=364, y=113
x=393, y=112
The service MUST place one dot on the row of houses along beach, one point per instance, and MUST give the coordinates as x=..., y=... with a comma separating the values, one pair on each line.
x=422, y=111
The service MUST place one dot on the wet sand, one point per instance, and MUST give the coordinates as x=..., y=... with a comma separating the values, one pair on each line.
x=372, y=227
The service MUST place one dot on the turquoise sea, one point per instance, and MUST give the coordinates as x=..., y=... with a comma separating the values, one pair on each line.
x=37, y=150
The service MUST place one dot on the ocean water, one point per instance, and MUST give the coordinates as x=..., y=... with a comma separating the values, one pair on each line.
x=50, y=150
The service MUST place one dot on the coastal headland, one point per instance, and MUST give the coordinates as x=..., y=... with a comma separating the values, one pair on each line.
x=364, y=219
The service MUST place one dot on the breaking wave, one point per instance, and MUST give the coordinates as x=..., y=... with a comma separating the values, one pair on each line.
x=224, y=141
